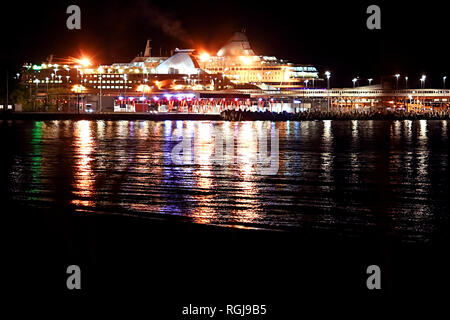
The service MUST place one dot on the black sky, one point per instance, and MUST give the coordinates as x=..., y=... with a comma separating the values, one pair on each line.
x=414, y=38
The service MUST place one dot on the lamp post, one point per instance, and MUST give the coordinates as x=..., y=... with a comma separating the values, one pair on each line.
x=306, y=83
x=370, y=81
x=46, y=81
x=37, y=89
x=100, y=97
x=396, y=81
x=78, y=100
x=78, y=89
x=443, y=80
x=125, y=78
x=406, y=82
x=328, y=74
x=354, y=82
x=422, y=81
x=56, y=76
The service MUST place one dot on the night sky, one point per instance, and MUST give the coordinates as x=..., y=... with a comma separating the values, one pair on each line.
x=332, y=36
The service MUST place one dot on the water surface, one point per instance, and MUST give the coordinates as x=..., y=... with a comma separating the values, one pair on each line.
x=346, y=176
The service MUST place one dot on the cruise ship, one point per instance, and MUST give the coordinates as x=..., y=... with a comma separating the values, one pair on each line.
x=234, y=66
x=237, y=60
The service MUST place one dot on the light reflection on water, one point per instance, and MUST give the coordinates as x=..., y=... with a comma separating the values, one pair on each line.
x=341, y=175
x=83, y=181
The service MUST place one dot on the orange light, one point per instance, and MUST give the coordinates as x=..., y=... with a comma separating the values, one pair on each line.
x=144, y=88
x=246, y=60
x=83, y=61
x=78, y=88
x=204, y=57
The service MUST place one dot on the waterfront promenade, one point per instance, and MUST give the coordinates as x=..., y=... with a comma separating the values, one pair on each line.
x=233, y=115
x=108, y=116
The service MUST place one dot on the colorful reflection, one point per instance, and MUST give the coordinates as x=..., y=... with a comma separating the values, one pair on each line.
x=36, y=159
x=83, y=175
x=330, y=172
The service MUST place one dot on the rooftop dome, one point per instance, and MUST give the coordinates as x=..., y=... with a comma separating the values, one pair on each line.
x=182, y=62
x=238, y=45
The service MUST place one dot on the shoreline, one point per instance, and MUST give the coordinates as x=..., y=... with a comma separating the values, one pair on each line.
x=227, y=116
x=108, y=116
x=232, y=115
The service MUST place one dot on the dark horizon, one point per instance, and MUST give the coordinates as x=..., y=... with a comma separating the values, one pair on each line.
x=332, y=36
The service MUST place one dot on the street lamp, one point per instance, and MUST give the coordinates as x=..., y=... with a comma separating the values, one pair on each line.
x=100, y=97
x=354, y=81
x=370, y=81
x=46, y=81
x=125, y=78
x=422, y=81
x=306, y=83
x=396, y=83
x=443, y=80
x=78, y=89
x=37, y=89
x=328, y=74
x=406, y=82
